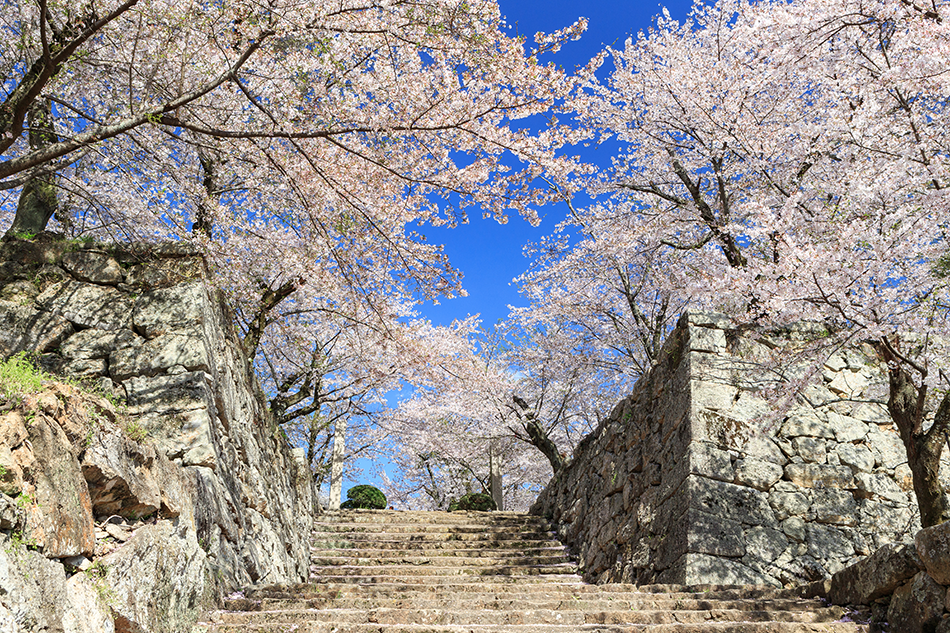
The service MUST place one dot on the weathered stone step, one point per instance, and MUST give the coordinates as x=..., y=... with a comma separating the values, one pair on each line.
x=418, y=560
x=424, y=569
x=398, y=572
x=548, y=590
x=459, y=580
x=468, y=553
x=428, y=517
x=433, y=541
x=518, y=601
x=430, y=528
x=704, y=627
x=526, y=616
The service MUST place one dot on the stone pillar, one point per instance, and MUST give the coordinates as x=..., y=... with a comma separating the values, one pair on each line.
x=336, y=463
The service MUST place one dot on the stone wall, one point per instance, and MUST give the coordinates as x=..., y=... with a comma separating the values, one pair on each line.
x=696, y=478
x=181, y=490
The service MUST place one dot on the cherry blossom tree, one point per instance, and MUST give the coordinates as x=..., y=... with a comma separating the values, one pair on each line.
x=501, y=404
x=787, y=161
x=597, y=298
x=294, y=144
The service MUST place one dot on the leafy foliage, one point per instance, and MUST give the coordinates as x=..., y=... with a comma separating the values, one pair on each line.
x=474, y=501
x=364, y=497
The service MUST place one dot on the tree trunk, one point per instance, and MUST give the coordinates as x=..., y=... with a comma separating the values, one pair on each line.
x=336, y=463
x=38, y=202
x=906, y=407
x=537, y=436
x=204, y=215
x=541, y=441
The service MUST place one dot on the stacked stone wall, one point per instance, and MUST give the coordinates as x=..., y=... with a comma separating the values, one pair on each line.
x=698, y=477
x=182, y=490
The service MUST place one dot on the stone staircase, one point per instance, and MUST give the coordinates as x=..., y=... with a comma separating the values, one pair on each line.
x=475, y=572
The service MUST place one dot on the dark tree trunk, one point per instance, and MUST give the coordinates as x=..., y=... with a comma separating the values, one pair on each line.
x=204, y=217
x=537, y=435
x=38, y=201
x=907, y=406
x=539, y=438
x=923, y=449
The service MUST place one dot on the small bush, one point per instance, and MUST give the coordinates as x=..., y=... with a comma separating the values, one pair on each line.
x=474, y=501
x=365, y=498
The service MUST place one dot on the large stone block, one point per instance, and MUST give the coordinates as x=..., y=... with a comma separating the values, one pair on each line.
x=712, y=395
x=826, y=542
x=707, y=339
x=88, y=305
x=804, y=422
x=95, y=343
x=709, y=534
x=120, y=476
x=24, y=329
x=848, y=384
x=819, y=476
x=764, y=448
x=917, y=606
x=157, y=579
x=93, y=267
x=32, y=589
x=162, y=394
x=183, y=309
x=933, y=547
x=764, y=544
x=858, y=457
x=175, y=352
x=705, y=569
x=60, y=519
x=757, y=474
x=834, y=506
x=709, y=461
x=876, y=576
x=810, y=449
x=880, y=485
x=846, y=428
x=730, y=502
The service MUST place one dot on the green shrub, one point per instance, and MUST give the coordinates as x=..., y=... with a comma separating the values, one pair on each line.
x=474, y=501
x=364, y=497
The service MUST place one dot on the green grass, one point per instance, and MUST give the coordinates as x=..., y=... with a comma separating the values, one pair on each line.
x=18, y=375
x=135, y=431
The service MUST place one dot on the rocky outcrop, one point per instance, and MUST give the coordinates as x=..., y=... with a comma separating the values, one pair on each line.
x=165, y=486
x=908, y=585
x=696, y=477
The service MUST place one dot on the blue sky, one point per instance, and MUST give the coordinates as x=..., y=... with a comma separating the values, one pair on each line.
x=490, y=254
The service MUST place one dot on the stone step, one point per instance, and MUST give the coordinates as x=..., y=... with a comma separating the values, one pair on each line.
x=524, y=616
x=410, y=570
x=468, y=553
x=423, y=559
x=428, y=517
x=515, y=601
x=457, y=579
x=704, y=627
x=517, y=531
x=550, y=590
x=444, y=562
x=432, y=541
x=415, y=572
